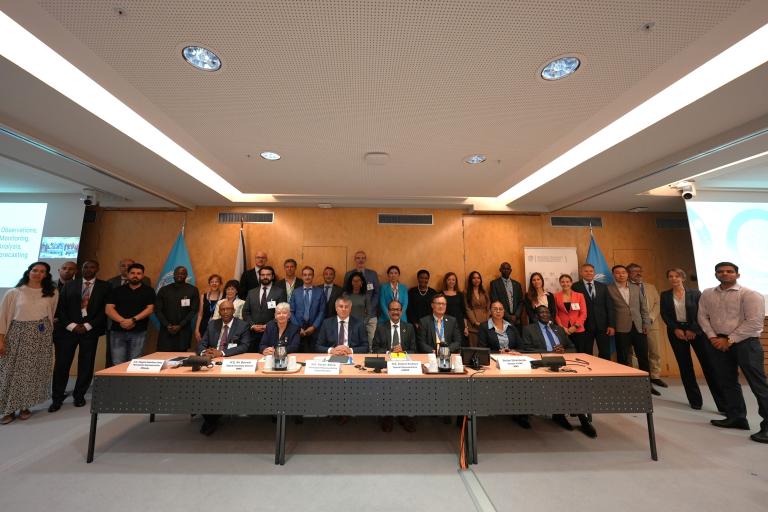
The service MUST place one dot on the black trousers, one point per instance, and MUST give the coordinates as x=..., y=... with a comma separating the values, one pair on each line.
x=747, y=355
x=583, y=341
x=65, y=347
x=639, y=342
x=682, y=351
x=603, y=343
x=179, y=342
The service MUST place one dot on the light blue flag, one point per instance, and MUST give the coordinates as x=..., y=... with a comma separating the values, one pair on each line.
x=179, y=256
x=596, y=259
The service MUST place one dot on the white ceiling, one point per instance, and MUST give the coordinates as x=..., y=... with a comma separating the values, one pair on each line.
x=325, y=82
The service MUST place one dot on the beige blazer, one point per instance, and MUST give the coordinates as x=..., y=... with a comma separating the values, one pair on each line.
x=652, y=305
x=635, y=313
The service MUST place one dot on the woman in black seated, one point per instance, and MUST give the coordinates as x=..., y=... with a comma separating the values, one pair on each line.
x=497, y=334
x=280, y=329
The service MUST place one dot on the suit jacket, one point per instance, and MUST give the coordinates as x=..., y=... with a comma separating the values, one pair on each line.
x=426, y=338
x=487, y=337
x=626, y=315
x=328, y=337
x=667, y=307
x=371, y=277
x=330, y=303
x=253, y=313
x=567, y=318
x=315, y=310
x=239, y=334
x=531, y=311
x=386, y=296
x=69, y=310
x=600, y=313
x=382, y=339
x=499, y=292
x=651, y=297
x=533, y=338
x=248, y=281
x=296, y=284
x=291, y=334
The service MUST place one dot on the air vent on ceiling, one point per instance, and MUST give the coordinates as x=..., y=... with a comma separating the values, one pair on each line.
x=246, y=218
x=671, y=223
x=408, y=219
x=576, y=222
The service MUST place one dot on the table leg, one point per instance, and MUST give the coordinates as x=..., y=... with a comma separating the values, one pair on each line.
x=473, y=422
x=91, y=438
x=280, y=440
x=152, y=418
x=652, y=436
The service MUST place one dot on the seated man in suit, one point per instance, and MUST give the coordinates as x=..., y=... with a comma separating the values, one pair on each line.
x=438, y=326
x=394, y=335
x=342, y=335
x=543, y=335
x=225, y=337
x=308, y=309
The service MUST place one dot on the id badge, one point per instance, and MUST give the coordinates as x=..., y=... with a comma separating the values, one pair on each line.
x=575, y=306
x=369, y=287
x=185, y=302
x=84, y=312
x=231, y=345
x=271, y=304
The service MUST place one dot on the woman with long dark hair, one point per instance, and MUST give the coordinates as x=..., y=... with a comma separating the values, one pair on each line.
x=26, y=342
x=477, y=306
x=361, y=301
x=536, y=296
x=455, y=299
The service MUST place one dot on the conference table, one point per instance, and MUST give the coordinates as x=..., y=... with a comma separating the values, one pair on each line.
x=588, y=385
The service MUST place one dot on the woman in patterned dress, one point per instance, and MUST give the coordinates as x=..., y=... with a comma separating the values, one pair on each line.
x=26, y=342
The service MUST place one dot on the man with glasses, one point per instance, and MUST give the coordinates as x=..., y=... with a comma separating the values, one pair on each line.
x=394, y=335
x=438, y=328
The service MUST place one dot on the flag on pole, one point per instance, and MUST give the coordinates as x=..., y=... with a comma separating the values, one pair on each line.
x=241, y=260
x=596, y=259
x=179, y=256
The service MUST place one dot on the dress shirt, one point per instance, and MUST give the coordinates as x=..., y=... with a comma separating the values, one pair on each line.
x=737, y=312
x=87, y=326
x=680, y=314
x=548, y=333
x=264, y=292
x=590, y=287
x=509, y=287
x=502, y=336
x=290, y=287
x=624, y=291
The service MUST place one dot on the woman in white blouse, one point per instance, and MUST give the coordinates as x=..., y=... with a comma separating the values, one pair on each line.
x=231, y=290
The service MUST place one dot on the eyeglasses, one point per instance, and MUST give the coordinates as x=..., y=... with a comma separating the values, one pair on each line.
x=440, y=303
x=395, y=309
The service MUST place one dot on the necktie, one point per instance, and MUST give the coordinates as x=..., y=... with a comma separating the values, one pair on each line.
x=509, y=298
x=328, y=293
x=551, y=343
x=86, y=295
x=342, y=334
x=591, y=290
x=396, y=336
x=642, y=289
x=307, y=298
x=224, y=336
x=123, y=281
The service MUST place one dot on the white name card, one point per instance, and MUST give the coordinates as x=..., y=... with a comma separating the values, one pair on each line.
x=404, y=367
x=145, y=365
x=238, y=365
x=514, y=363
x=322, y=368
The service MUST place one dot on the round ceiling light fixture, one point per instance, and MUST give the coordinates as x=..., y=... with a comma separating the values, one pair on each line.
x=270, y=155
x=201, y=58
x=475, y=159
x=560, y=68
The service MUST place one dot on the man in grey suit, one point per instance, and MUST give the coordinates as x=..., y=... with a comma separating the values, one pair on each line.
x=438, y=326
x=394, y=335
x=260, y=304
x=631, y=317
x=224, y=337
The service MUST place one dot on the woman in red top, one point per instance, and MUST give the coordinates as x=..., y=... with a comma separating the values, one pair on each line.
x=572, y=313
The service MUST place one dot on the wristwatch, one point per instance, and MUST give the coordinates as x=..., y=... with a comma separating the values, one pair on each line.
x=134, y=319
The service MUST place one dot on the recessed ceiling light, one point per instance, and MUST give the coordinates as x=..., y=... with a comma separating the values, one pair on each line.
x=270, y=155
x=560, y=68
x=475, y=159
x=202, y=58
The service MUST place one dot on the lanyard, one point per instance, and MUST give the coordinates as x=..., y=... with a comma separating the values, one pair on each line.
x=440, y=329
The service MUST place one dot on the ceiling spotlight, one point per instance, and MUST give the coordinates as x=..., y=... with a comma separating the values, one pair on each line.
x=202, y=58
x=475, y=159
x=560, y=68
x=270, y=155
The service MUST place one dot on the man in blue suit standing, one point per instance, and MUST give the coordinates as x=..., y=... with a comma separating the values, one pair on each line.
x=308, y=309
x=343, y=335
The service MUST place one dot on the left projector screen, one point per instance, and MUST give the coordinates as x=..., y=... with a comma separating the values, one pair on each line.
x=21, y=229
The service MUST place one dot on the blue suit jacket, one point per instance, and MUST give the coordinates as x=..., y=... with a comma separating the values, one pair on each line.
x=315, y=310
x=239, y=334
x=269, y=338
x=386, y=296
x=357, y=338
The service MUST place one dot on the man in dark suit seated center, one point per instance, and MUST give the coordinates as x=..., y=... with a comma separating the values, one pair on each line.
x=342, y=335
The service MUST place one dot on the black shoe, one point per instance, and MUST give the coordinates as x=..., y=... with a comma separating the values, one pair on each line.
x=79, y=402
x=739, y=423
x=760, y=437
x=208, y=428
x=586, y=427
x=696, y=407
x=522, y=420
x=659, y=383
x=655, y=391
x=55, y=406
x=387, y=423
x=561, y=420
x=408, y=423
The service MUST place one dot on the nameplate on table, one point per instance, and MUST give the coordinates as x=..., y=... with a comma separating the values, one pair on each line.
x=403, y=367
x=145, y=365
x=321, y=368
x=238, y=365
x=514, y=363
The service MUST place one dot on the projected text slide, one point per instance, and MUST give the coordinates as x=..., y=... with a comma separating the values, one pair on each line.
x=21, y=227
